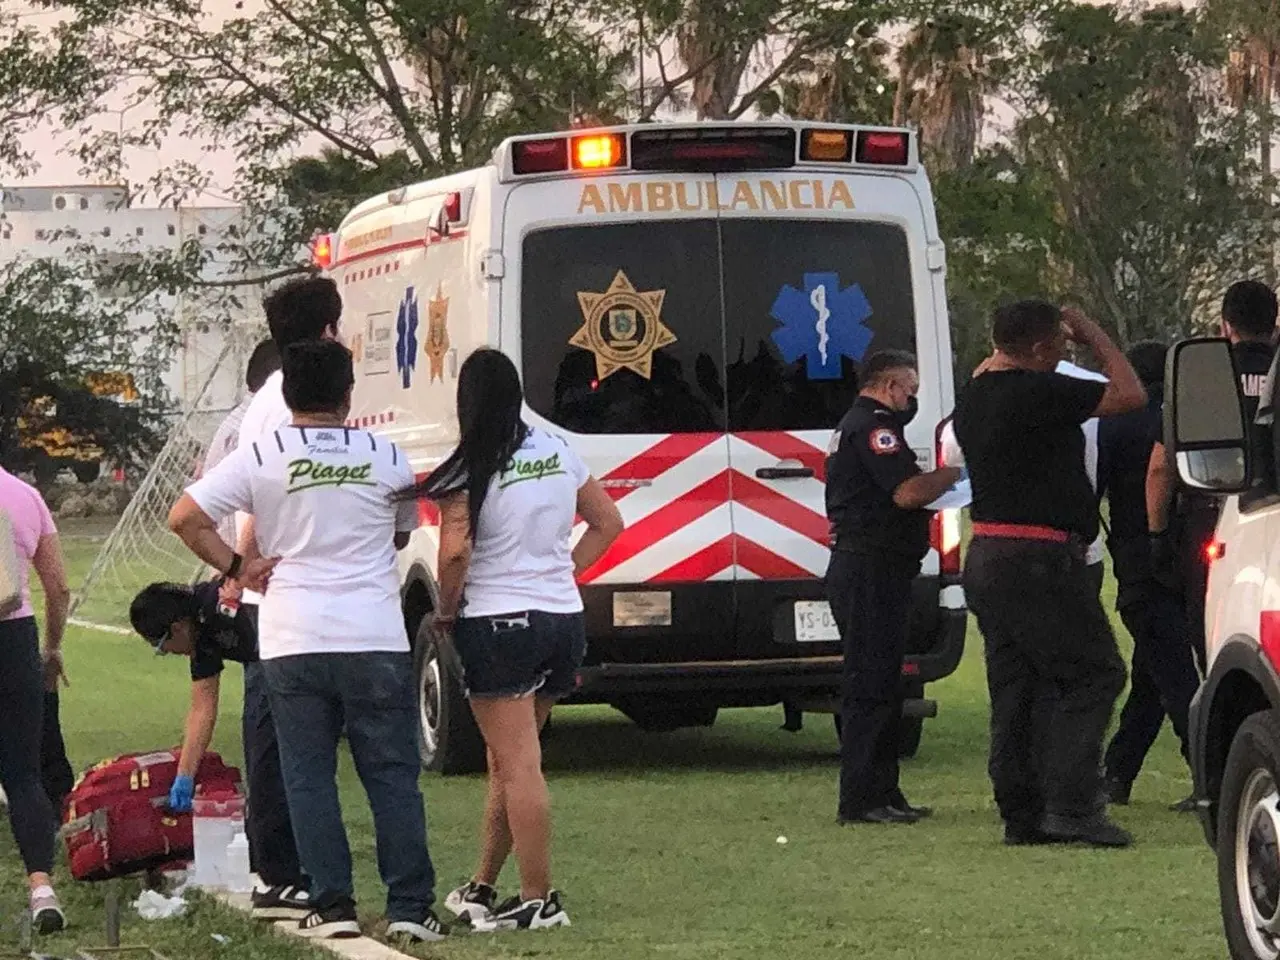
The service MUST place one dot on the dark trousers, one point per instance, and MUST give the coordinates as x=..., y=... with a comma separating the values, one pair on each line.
x=1162, y=677
x=1195, y=530
x=55, y=768
x=870, y=599
x=273, y=855
x=21, y=727
x=1053, y=674
x=312, y=695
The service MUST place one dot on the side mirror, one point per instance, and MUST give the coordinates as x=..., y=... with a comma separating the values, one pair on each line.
x=1204, y=420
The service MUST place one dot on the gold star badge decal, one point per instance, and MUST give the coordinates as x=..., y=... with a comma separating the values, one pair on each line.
x=622, y=327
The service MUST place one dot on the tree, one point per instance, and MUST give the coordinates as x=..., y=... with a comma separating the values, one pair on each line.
x=57, y=331
x=1157, y=204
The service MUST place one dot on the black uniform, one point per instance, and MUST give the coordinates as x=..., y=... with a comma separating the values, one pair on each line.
x=1162, y=676
x=875, y=556
x=224, y=634
x=1196, y=515
x=1053, y=670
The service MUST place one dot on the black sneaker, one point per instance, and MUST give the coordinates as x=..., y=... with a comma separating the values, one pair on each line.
x=284, y=902
x=430, y=930
x=1095, y=831
x=472, y=901
x=517, y=914
x=1117, y=792
x=333, y=922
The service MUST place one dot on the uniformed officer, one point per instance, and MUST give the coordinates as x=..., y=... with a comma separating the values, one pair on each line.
x=1162, y=675
x=875, y=499
x=1053, y=669
x=1182, y=526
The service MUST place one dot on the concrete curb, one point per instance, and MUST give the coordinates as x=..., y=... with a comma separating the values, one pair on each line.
x=356, y=948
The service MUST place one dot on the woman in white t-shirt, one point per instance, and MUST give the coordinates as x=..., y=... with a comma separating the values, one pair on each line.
x=509, y=495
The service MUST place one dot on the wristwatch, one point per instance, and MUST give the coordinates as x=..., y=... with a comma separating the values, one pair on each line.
x=236, y=562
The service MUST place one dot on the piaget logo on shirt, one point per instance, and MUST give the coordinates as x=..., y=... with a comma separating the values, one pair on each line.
x=305, y=474
x=522, y=470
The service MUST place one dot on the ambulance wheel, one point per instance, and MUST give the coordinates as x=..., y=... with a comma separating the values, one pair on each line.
x=657, y=716
x=448, y=739
x=1249, y=840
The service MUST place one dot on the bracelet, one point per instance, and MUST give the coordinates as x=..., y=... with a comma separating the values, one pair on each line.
x=236, y=562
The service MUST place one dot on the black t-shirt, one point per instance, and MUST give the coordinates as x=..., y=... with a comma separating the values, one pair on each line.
x=869, y=458
x=220, y=635
x=1020, y=432
x=1124, y=453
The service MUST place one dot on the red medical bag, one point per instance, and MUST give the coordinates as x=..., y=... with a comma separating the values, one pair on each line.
x=117, y=822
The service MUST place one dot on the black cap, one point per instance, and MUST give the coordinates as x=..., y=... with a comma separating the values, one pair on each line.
x=159, y=606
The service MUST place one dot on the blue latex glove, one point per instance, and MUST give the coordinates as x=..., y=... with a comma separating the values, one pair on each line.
x=181, y=794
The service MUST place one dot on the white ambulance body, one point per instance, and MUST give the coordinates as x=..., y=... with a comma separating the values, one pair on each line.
x=687, y=306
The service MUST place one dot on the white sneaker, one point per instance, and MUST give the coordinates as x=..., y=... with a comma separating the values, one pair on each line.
x=46, y=913
x=472, y=901
x=517, y=914
x=337, y=921
x=430, y=930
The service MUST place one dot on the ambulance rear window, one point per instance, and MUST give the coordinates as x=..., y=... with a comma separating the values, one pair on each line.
x=705, y=325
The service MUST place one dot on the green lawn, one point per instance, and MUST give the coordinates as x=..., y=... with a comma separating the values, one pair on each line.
x=666, y=844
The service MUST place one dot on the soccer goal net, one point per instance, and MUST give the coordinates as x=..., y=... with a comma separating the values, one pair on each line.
x=141, y=549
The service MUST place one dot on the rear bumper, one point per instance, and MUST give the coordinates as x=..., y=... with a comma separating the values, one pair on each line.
x=738, y=647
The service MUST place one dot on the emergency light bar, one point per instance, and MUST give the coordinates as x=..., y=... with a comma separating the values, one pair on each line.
x=709, y=148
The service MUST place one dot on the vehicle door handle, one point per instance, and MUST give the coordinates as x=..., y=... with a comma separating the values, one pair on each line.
x=784, y=473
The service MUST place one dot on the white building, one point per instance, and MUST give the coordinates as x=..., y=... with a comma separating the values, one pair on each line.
x=48, y=221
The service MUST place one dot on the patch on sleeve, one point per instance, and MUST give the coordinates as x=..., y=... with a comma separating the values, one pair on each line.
x=884, y=441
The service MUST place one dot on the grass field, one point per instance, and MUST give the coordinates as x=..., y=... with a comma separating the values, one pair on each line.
x=666, y=844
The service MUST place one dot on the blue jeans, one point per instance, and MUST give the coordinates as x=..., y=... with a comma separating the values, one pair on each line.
x=312, y=695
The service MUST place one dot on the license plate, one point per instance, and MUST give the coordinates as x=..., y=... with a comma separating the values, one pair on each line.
x=814, y=622
x=642, y=609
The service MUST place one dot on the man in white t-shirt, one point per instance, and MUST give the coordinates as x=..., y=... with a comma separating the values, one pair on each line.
x=333, y=645
x=263, y=362
x=303, y=310
x=953, y=456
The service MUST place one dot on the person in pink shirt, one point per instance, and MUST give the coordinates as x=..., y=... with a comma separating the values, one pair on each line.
x=26, y=672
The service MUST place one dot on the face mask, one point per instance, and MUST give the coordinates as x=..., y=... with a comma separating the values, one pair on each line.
x=909, y=414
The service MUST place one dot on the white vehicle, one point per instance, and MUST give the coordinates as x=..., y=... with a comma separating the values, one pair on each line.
x=687, y=305
x=1235, y=716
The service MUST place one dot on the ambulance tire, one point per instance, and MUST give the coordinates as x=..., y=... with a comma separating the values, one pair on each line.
x=1247, y=828
x=658, y=716
x=448, y=739
x=911, y=730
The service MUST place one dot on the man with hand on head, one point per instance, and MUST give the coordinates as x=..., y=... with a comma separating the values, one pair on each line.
x=1053, y=669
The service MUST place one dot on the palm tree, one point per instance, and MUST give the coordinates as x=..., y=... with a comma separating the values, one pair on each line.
x=944, y=76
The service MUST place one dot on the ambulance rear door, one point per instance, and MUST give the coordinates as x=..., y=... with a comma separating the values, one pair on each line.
x=612, y=305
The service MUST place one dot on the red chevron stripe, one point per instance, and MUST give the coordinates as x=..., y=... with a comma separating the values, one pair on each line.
x=733, y=549
x=786, y=447
x=659, y=525
x=656, y=460
x=765, y=563
x=702, y=565
x=769, y=503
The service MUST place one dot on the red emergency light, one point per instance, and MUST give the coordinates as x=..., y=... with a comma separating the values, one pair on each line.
x=1214, y=550
x=322, y=251
x=885, y=148
x=540, y=156
x=453, y=208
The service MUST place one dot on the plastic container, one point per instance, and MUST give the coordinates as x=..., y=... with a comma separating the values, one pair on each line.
x=237, y=874
x=216, y=819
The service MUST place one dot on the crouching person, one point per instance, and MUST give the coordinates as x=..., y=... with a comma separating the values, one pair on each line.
x=196, y=623
x=332, y=636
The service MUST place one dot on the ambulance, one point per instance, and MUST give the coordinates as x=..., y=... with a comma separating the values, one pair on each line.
x=688, y=305
x=1234, y=724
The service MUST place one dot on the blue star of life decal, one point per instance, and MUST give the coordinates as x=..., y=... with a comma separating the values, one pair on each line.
x=407, y=337
x=822, y=323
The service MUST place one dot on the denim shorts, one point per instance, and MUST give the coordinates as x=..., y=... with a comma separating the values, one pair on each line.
x=521, y=654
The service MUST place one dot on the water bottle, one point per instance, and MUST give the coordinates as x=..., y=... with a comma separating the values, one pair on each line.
x=237, y=865
x=216, y=820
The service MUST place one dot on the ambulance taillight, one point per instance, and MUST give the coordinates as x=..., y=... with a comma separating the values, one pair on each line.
x=322, y=251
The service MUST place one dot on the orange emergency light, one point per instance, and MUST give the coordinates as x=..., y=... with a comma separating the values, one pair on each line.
x=599, y=152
